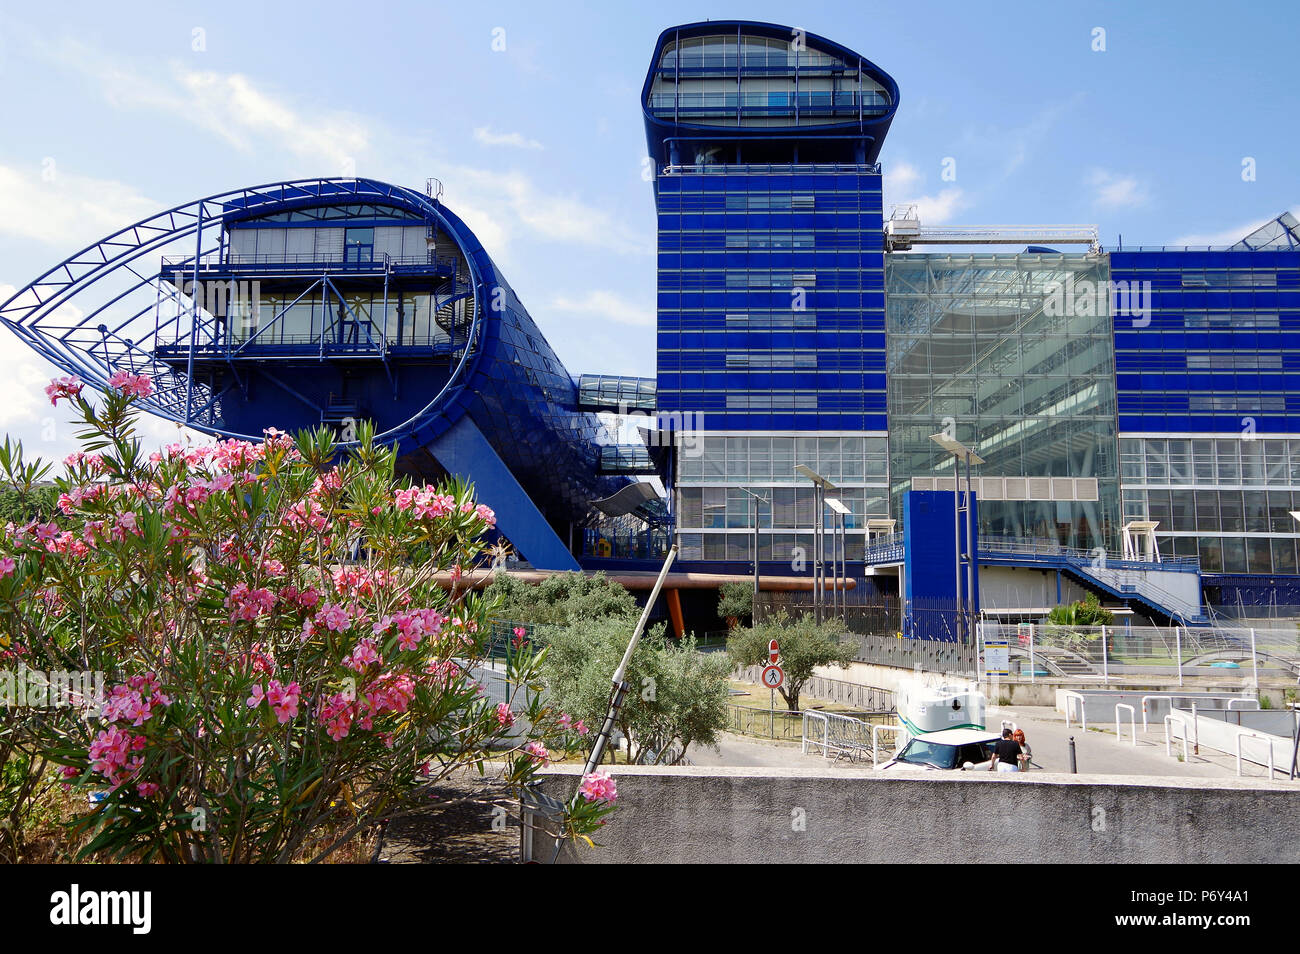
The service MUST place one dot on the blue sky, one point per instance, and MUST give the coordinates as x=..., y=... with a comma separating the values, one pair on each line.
x=112, y=111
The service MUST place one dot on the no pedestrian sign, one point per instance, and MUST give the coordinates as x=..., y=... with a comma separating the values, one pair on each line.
x=773, y=676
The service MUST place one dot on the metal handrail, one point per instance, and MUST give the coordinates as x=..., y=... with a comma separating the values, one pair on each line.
x=1254, y=735
x=1083, y=709
x=1169, y=720
x=1144, y=707
x=1132, y=722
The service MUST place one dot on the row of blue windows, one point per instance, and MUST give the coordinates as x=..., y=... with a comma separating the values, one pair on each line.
x=773, y=221
x=763, y=282
x=1165, y=303
x=1229, y=423
x=787, y=420
x=735, y=300
x=747, y=182
x=747, y=204
x=670, y=361
x=1237, y=339
x=811, y=337
x=1236, y=280
x=757, y=260
x=712, y=403
x=1244, y=383
x=743, y=241
x=722, y=380
x=1210, y=402
x=822, y=341
x=1208, y=361
x=1220, y=320
x=1139, y=264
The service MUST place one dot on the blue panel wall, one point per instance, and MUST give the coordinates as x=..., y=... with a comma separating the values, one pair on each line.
x=1221, y=342
x=771, y=298
x=930, y=563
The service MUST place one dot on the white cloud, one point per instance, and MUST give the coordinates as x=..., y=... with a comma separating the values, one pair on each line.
x=607, y=306
x=511, y=200
x=1113, y=190
x=66, y=210
x=902, y=186
x=487, y=137
x=1229, y=236
x=226, y=105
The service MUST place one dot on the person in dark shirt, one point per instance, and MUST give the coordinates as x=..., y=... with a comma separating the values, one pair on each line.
x=1006, y=754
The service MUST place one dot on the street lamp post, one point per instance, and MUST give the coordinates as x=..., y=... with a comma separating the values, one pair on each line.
x=965, y=614
x=757, y=500
x=839, y=550
x=820, y=486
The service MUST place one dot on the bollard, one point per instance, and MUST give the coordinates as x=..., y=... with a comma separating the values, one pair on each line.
x=1074, y=762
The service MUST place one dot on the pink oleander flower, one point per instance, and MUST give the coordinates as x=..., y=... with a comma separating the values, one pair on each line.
x=69, y=387
x=505, y=718
x=139, y=385
x=537, y=752
x=7, y=565
x=486, y=515
x=363, y=655
x=283, y=700
x=246, y=604
x=147, y=789
x=599, y=787
x=333, y=617
x=580, y=728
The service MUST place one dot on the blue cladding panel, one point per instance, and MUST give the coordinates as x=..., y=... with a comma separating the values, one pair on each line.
x=463, y=450
x=1220, y=343
x=930, y=568
x=771, y=299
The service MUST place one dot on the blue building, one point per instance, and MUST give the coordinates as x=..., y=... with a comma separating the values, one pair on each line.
x=330, y=302
x=1132, y=408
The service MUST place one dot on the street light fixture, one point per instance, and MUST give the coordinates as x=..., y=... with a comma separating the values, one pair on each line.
x=962, y=454
x=839, y=599
x=820, y=486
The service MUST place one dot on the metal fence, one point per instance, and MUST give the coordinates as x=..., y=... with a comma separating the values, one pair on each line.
x=933, y=655
x=1097, y=653
x=766, y=723
x=871, y=699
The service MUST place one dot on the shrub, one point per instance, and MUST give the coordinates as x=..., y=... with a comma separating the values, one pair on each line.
x=735, y=600
x=678, y=696
x=264, y=699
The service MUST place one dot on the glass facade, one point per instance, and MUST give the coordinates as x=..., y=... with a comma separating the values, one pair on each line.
x=1226, y=500
x=717, y=478
x=1011, y=355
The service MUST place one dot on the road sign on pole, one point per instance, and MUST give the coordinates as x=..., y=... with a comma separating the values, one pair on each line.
x=773, y=652
x=773, y=677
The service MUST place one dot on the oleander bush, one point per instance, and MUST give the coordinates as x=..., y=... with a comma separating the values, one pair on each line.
x=239, y=653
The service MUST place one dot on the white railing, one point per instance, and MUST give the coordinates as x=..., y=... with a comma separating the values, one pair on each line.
x=1267, y=741
x=1132, y=723
x=1144, y=708
x=1249, y=704
x=1083, y=709
x=824, y=744
x=1181, y=720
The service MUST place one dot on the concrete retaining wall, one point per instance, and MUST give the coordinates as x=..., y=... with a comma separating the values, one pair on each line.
x=719, y=815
